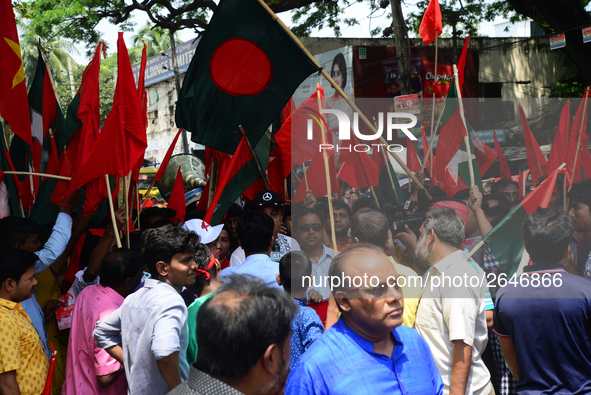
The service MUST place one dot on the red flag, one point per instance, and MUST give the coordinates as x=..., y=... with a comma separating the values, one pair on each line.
x=560, y=144
x=317, y=177
x=14, y=104
x=87, y=113
x=378, y=157
x=578, y=131
x=302, y=149
x=412, y=160
x=167, y=157
x=143, y=98
x=280, y=157
x=503, y=166
x=535, y=158
x=358, y=169
x=123, y=138
x=462, y=64
x=485, y=156
x=176, y=201
x=431, y=26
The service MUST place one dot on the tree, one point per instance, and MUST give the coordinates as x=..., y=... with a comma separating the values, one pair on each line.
x=156, y=39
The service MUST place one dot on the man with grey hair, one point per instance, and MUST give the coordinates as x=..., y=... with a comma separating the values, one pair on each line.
x=451, y=315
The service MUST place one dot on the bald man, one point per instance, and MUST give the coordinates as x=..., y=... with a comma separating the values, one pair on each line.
x=367, y=350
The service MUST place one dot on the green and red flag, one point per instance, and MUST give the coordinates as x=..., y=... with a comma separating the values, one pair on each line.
x=578, y=133
x=535, y=158
x=506, y=239
x=14, y=106
x=244, y=71
x=430, y=158
x=240, y=174
x=451, y=154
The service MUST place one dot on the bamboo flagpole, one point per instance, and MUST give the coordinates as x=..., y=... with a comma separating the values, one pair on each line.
x=467, y=138
x=432, y=141
x=137, y=196
x=127, y=184
x=327, y=171
x=254, y=156
x=580, y=135
x=432, y=117
x=343, y=95
x=30, y=173
x=564, y=199
x=112, y=209
x=305, y=175
x=14, y=178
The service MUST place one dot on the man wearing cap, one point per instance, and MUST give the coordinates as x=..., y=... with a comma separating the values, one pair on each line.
x=270, y=203
x=207, y=234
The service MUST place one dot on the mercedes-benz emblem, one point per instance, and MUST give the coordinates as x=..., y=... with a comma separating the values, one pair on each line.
x=267, y=196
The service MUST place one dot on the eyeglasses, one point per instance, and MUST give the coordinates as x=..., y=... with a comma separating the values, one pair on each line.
x=306, y=227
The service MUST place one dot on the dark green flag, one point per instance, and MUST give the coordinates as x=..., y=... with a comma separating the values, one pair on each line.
x=244, y=71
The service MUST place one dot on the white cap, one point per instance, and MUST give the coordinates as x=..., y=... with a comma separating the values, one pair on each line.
x=206, y=232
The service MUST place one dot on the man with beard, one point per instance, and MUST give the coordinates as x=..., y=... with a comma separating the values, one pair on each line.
x=451, y=315
x=367, y=351
x=243, y=334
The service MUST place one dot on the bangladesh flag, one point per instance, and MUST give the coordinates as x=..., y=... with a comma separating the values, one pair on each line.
x=506, y=239
x=240, y=174
x=244, y=71
x=452, y=155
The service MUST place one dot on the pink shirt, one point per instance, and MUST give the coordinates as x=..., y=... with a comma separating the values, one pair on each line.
x=85, y=360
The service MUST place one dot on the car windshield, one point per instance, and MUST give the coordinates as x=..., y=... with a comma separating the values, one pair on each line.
x=145, y=180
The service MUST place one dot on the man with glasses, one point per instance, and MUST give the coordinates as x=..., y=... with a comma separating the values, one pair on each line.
x=367, y=351
x=307, y=227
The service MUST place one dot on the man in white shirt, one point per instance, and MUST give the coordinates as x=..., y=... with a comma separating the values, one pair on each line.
x=255, y=231
x=270, y=203
x=148, y=333
x=451, y=314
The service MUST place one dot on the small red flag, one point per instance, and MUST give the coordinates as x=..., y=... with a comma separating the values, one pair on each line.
x=166, y=159
x=412, y=160
x=317, y=177
x=578, y=132
x=431, y=26
x=462, y=64
x=535, y=159
x=503, y=166
x=280, y=157
x=176, y=201
x=143, y=98
x=559, y=146
x=358, y=169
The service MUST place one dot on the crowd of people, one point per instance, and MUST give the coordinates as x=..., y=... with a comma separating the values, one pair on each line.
x=347, y=296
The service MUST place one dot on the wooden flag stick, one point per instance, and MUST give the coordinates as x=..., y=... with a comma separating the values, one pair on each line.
x=285, y=190
x=467, y=138
x=327, y=171
x=256, y=160
x=127, y=183
x=432, y=137
x=30, y=173
x=305, y=175
x=580, y=134
x=344, y=96
x=113, y=219
x=432, y=117
x=137, y=196
x=564, y=200
x=211, y=183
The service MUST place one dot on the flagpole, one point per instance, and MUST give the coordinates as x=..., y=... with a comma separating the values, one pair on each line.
x=432, y=141
x=432, y=117
x=30, y=173
x=580, y=133
x=467, y=138
x=327, y=171
x=305, y=175
x=127, y=184
x=137, y=196
x=261, y=173
x=564, y=200
x=343, y=95
x=211, y=184
x=113, y=219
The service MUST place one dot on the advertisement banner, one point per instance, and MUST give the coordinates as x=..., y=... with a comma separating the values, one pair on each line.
x=586, y=34
x=557, y=41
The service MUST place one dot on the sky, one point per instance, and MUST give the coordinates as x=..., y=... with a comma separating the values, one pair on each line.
x=367, y=21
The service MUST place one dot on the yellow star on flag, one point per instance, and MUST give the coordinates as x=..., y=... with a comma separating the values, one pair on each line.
x=20, y=74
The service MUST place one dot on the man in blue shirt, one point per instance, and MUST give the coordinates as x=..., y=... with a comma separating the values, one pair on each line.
x=255, y=231
x=542, y=319
x=367, y=351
